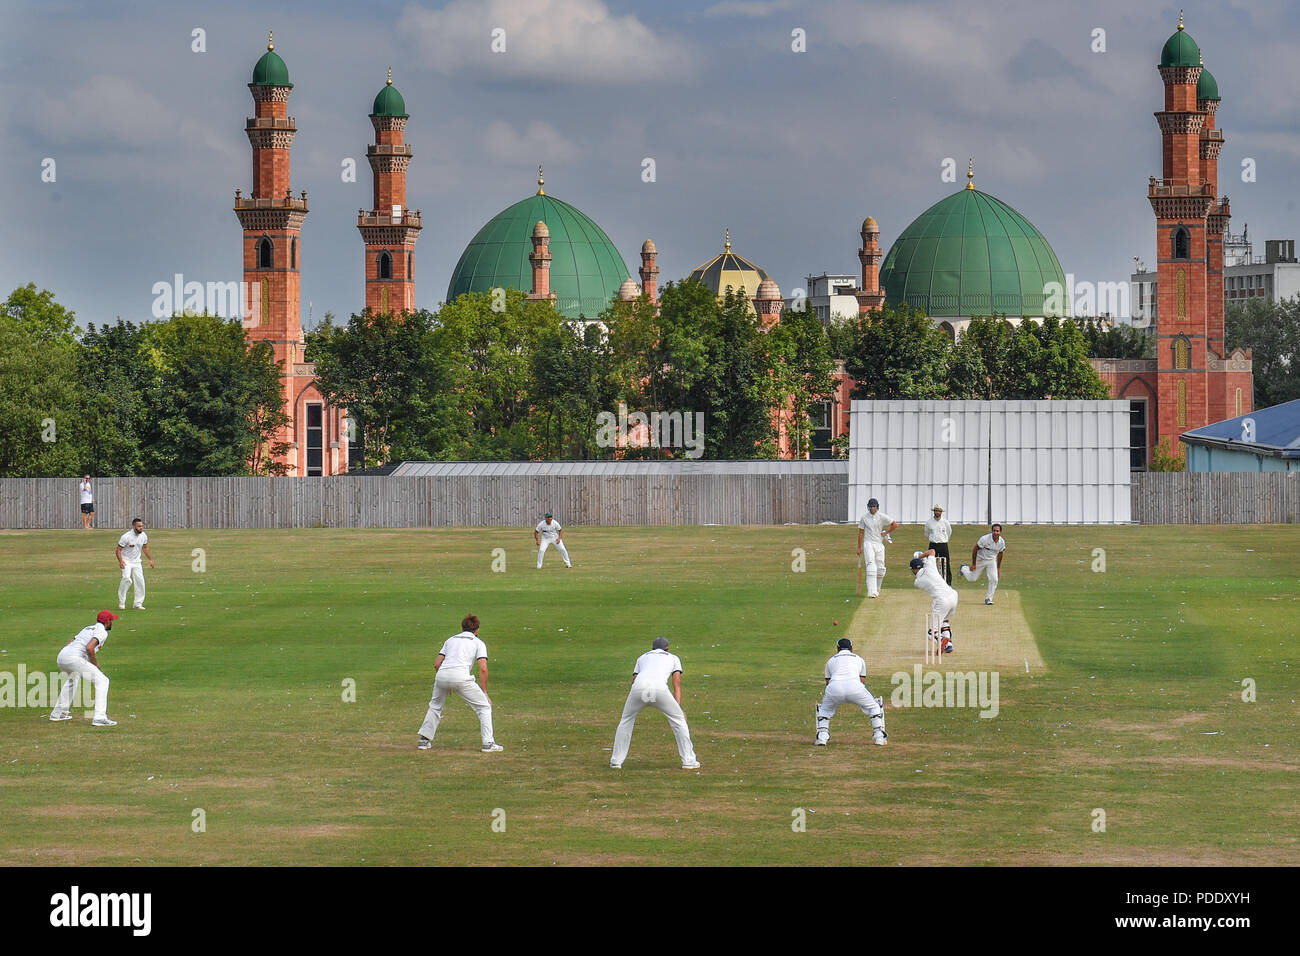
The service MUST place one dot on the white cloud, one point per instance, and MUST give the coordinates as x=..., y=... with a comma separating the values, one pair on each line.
x=565, y=40
x=538, y=142
x=748, y=8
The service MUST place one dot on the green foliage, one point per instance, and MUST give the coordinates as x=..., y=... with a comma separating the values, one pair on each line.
x=1163, y=458
x=1271, y=330
x=798, y=352
x=898, y=353
x=211, y=403
x=113, y=405
x=1111, y=340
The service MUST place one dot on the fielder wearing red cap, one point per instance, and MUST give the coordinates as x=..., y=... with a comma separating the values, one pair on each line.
x=77, y=660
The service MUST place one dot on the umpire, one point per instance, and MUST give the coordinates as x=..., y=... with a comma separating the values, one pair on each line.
x=938, y=531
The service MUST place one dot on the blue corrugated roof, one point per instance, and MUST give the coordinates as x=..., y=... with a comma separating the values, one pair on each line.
x=1275, y=430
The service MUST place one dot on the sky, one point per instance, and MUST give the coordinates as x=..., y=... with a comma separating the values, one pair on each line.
x=791, y=149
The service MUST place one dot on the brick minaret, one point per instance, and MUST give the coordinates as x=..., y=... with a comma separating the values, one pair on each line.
x=389, y=229
x=272, y=219
x=540, y=258
x=768, y=304
x=649, y=271
x=1207, y=101
x=870, y=296
x=1181, y=200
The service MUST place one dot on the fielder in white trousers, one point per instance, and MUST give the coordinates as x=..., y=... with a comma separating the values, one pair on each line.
x=132, y=574
x=559, y=546
x=458, y=682
x=848, y=692
x=74, y=663
x=659, y=697
x=874, y=555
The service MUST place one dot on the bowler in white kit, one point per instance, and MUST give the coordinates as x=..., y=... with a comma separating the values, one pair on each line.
x=846, y=683
x=650, y=678
x=943, y=596
x=130, y=547
x=459, y=653
x=874, y=528
x=78, y=660
x=986, y=557
x=547, y=534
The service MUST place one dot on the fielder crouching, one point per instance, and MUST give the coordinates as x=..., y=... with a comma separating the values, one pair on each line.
x=846, y=679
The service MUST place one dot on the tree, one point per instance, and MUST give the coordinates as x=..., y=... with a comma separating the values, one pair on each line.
x=1271, y=330
x=897, y=352
x=1049, y=359
x=383, y=370
x=573, y=383
x=211, y=404
x=1111, y=340
x=41, y=433
x=798, y=352
x=977, y=360
x=109, y=359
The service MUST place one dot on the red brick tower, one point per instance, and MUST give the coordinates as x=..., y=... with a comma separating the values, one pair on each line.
x=870, y=296
x=1195, y=385
x=540, y=258
x=389, y=230
x=272, y=219
x=649, y=271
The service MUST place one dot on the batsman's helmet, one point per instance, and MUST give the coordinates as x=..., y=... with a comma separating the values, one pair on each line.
x=845, y=644
x=916, y=564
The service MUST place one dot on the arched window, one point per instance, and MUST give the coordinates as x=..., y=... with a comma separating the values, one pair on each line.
x=1182, y=243
x=385, y=266
x=264, y=253
x=947, y=329
x=1182, y=353
x=293, y=254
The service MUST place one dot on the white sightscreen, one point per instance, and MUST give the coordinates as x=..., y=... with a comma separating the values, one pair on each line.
x=1041, y=462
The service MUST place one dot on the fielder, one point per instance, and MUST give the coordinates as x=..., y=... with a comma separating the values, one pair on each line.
x=650, y=678
x=459, y=652
x=874, y=529
x=547, y=533
x=846, y=680
x=129, y=548
x=943, y=596
x=987, y=556
x=77, y=660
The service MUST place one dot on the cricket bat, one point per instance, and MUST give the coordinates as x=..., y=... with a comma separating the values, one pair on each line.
x=859, y=574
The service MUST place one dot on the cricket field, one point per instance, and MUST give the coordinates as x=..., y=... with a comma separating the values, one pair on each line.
x=1130, y=698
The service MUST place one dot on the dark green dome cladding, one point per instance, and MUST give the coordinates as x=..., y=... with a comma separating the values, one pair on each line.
x=389, y=102
x=1180, y=50
x=970, y=254
x=586, y=268
x=1207, y=87
x=271, y=71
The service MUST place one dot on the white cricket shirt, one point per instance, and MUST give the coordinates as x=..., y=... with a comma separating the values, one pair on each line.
x=460, y=651
x=655, y=667
x=873, y=525
x=551, y=532
x=846, y=665
x=987, y=549
x=86, y=496
x=132, y=545
x=938, y=530
x=929, y=580
x=95, y=632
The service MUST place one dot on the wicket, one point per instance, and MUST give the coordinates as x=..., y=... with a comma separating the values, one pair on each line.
x=933, y=638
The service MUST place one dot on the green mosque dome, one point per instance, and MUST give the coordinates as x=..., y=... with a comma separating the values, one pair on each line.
x=270, y=69
x=1207, y=87
x=389, y=102
x=586, y=268
x=971, y=254
x=1180, y=49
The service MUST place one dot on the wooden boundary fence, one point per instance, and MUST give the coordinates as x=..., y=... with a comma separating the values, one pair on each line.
x=349, y=501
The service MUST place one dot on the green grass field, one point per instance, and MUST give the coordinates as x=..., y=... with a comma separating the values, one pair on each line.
x=229, y=691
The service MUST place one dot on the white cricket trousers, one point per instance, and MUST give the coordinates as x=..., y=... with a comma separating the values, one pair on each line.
x=458, y=682
x=77, y=666
x=874, y=555
x=661, y=698
x=132, y=573
x=946, y=605
x=847, y=692
x=559, y=546
x=973, y=574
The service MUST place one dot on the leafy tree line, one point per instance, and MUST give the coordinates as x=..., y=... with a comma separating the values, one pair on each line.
x=185, y=396
x=1272, y=331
